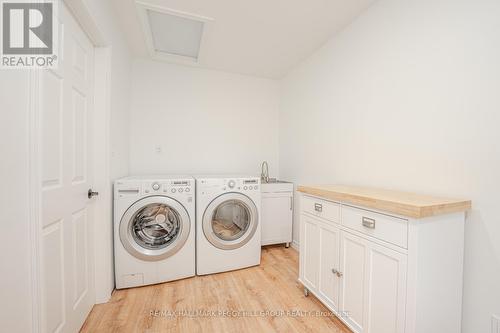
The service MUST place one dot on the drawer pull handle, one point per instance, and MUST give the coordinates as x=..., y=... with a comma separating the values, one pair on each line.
x=318, y=207
x=368, y=222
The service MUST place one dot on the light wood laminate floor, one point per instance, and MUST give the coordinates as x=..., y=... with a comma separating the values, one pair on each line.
x=272, y=286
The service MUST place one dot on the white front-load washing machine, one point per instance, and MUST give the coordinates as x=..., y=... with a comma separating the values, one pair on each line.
x=228, y=223
x=154, y=229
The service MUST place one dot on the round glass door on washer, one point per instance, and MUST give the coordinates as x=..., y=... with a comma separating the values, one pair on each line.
x=230, y=221
x=154, y=228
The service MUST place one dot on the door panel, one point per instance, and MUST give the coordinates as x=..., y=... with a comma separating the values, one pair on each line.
x=79, y=162
x=373, y=285
x=51, y=129
x=52, y=249
x=80, y=256
x=311, y=251
x=353, y=282
x=329, y=263
x=386, y=296
x=67, y=266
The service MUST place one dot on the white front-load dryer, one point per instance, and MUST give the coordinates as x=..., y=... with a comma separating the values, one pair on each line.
x=154, y=229
x=228, y=223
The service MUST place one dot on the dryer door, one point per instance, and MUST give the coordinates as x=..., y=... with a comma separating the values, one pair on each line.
x=230, y=221
x=154, y=228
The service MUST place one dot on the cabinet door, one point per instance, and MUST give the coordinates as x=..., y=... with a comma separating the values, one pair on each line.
x=276, y=217
x=329, y=264
x=373, y=286
x=309, y=251
x=353, y=283
x=385, y=305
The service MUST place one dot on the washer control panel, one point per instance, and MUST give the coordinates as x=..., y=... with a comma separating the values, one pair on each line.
x=184, y=187
x=170, y=187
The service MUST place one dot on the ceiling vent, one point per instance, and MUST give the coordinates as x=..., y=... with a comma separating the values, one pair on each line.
x=172, y=35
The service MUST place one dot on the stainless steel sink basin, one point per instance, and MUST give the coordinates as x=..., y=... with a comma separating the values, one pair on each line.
x=274, y=186
x=274, y=181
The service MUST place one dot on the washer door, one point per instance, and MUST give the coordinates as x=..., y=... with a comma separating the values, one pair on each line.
x=230, y=221
x=154, y=228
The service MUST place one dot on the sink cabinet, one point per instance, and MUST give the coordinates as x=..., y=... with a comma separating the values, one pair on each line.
x=276, y=213
x=379, y=272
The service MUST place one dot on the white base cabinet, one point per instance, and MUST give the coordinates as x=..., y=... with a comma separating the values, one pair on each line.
x=276, y=213
x=380, y=273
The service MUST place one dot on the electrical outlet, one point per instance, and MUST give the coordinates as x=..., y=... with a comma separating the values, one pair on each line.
x=495, y=324
x=158, y=149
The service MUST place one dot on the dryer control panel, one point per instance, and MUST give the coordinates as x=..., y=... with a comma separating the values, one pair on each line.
x=251, y=184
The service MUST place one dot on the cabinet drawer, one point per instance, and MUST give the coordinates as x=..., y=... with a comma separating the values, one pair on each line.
x=321, y=208
x=387, y=228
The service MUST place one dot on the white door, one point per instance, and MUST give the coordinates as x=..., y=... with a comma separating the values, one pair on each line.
x=353, y=258
x=329, y=267
x=373, y=286
x=67, y=265
x=309, y=251
x=276, y=212
x=386, y=296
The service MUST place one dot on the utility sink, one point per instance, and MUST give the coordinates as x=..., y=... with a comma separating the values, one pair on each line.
x=275, y=185
x=275, y=181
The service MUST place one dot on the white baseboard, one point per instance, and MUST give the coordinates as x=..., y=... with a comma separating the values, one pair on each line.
x=295, y=245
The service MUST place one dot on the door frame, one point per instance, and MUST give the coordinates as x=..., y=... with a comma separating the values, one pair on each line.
x=100, y=163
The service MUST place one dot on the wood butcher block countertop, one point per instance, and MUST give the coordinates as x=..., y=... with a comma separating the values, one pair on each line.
x=396, y=202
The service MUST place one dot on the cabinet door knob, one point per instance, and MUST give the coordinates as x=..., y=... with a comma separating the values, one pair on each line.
x=318, y=207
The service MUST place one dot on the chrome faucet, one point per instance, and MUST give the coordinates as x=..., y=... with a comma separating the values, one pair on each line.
x=264, y=174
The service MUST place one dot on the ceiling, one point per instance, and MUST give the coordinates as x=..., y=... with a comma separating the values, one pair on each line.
x=263, y=38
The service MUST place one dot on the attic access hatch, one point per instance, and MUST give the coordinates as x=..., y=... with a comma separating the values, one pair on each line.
x=172, y=35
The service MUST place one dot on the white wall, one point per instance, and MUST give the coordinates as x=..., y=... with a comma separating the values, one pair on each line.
x=408, y=97
x=15, y=259
x=105, y=16
x=204, y=121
